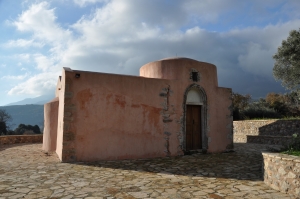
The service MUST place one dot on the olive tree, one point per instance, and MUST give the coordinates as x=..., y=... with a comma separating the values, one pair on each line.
x=239, y=103
x=287, y=61
x=22, y=128
x=4, y=118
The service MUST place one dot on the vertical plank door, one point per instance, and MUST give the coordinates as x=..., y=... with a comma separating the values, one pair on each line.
x=193, y=127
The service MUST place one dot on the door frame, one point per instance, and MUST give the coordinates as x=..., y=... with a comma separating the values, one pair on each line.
x=203, y=116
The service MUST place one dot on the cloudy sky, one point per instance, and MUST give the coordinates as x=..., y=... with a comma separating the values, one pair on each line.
x=38, y=38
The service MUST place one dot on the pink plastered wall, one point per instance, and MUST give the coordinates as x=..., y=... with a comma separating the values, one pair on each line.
x=117, y=117
x=219, y=118
x=60, y=93
x=220, y=127
x=106, y=116
x=50, y=125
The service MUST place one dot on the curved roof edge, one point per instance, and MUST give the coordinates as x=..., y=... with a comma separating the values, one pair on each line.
x=178, y=58
x=172, y=58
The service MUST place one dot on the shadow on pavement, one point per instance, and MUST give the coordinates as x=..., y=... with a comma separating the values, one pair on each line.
x=243, y=164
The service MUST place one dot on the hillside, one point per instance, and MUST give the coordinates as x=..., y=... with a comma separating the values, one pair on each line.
x=41, y=100
x=32, y=114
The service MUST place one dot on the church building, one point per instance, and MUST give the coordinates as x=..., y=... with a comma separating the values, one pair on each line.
x=174, y=107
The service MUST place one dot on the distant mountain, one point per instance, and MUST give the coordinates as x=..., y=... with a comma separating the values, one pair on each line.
x=25, y=114
x=37, y=100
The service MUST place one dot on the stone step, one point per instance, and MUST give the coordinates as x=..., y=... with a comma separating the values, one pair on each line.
x=239, y=138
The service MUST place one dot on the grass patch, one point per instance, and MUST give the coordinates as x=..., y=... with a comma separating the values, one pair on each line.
x=296, y=153
x=293, y=148
x=284, y=118
x=290, y=118
x=264, y=119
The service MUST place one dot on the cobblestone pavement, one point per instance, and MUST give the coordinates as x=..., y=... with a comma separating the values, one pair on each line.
x=27, y=172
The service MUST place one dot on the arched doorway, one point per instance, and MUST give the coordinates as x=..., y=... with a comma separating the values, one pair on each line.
x=195, y=108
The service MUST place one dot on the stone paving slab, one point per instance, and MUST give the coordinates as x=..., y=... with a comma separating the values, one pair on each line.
x=27, y=172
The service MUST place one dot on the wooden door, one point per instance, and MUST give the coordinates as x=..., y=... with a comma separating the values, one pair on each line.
x=193, y=127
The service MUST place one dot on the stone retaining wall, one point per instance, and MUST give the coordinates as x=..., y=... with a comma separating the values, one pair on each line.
x=282, y=172
x=16, y=139
x=267, y=139
x=264, y=127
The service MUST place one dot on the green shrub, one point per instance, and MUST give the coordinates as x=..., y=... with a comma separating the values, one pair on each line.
x=256, y=110
x=22, y=128
x=293, y=148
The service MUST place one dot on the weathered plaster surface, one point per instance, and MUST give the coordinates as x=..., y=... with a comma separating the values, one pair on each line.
x=106, y=116
x=50, y=125
x=60, y=93
x=69, y=127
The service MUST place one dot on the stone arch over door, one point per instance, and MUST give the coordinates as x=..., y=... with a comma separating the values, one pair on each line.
x=195, y=95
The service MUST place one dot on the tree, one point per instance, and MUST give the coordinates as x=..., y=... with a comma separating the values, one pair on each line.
x=36, y=129
x=287, y=61
x=293, y=98
x=277, y=102
x=3, y=128
x=239, y=103
x=4, y=118
x=22, y=128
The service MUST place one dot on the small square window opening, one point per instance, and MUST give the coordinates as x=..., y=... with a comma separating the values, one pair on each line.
x=195, y=76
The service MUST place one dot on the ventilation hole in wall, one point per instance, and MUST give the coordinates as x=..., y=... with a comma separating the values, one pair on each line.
x=195, y=76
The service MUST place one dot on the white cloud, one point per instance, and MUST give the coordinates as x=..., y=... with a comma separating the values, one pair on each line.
x=121, y=35
x=242, y=12
x=43, y=63
x=83, y=3
x=208, y=10
x=113, y=35
x=17, y=77
x=23, y=43
x=43, y=83
x=258, y=45
x=41, y=21
x=194, y=30
x=257, y=60
x=23, y=57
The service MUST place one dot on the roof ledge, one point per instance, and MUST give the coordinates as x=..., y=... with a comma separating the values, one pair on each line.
x=68, y=69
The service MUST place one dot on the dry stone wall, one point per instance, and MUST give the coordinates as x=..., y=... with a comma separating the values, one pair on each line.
x=282, y=172
x=16, y=139
x=268, y=139
x=267, y=130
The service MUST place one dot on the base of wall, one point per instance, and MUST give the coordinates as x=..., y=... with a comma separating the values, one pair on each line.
x=267, y=139
x=191, y=152
x=282, y=172
x=17, y=139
